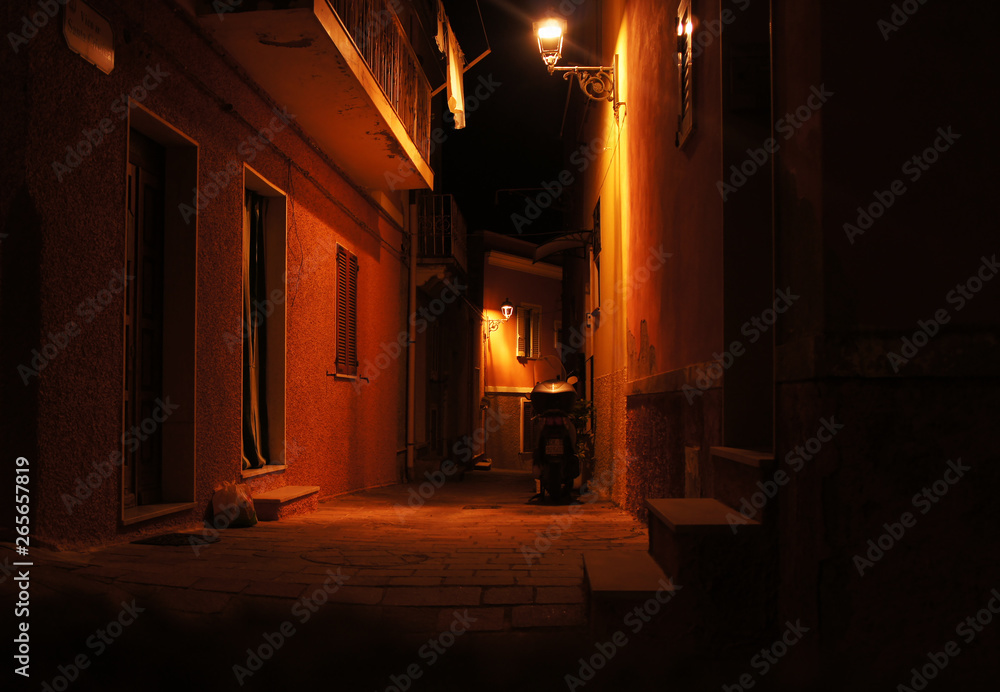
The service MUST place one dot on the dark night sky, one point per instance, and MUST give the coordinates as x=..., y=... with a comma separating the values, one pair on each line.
x=512, y=138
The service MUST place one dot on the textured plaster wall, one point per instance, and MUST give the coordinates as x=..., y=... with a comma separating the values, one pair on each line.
x=503, y=446
x=658, y=428
x=71, y=234
x=610, y=462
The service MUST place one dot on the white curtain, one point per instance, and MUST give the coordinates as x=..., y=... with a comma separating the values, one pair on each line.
x=254, y=334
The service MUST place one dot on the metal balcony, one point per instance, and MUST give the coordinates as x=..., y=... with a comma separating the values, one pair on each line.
x=347, y=73
x=383, y=44
x=441, y=232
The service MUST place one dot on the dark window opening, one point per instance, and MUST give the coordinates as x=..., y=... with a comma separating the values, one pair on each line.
x=143, y=458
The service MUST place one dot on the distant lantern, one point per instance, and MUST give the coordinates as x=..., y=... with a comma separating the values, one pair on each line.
x=490, y=326
x=507, y=309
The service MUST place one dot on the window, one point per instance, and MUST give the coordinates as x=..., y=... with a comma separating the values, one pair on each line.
x=529, y=343
x=263, y=338
x=347, y=313
x=685, y=57
x=597, y=249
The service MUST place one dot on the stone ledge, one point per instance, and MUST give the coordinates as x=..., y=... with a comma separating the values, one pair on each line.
x=286, y=501
x=284, y=494
x=684, y=515
x=750, y=457
x=623, y=573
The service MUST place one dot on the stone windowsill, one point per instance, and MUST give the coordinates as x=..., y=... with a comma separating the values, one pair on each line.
x=751, y=457
x=263, y=471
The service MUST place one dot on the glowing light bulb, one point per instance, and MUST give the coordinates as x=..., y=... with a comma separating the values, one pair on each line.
x=550, y=30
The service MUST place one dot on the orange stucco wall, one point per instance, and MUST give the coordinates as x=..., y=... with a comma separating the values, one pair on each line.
x=668, y=196
x=659, y=288
x=503, y=369
x=67, y=238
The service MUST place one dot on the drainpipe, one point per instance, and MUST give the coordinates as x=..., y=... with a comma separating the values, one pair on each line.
x=411, y=351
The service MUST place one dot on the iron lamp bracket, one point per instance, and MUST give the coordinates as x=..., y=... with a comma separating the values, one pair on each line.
x=599, y=83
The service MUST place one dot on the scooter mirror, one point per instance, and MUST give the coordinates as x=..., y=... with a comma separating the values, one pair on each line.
x=573, y=380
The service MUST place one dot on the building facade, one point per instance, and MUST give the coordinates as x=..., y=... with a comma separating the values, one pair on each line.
x=518, y=352
x=780, y=328
x=206, y=245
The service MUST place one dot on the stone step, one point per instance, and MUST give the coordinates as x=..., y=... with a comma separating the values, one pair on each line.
x=618, y=582
x=701, y=540
x=616, y=574
x=286, y=501
x=724, y=561
x=695, y=514
x=738, y=476
x=686, y=534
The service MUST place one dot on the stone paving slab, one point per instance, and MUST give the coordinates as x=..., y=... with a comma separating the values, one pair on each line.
x=274, y=588
x=364, y=595
x=509, y=595
x=220, y=584
x=548, y=616
x=480, y=619
x=436, y=596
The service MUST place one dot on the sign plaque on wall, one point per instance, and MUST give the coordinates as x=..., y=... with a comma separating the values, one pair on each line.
x=89, y=35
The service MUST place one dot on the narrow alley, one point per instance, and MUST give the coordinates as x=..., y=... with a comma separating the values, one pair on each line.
x=471, y=345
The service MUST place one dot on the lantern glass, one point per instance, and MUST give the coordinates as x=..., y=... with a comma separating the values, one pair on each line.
x=507, y=309
x=550, y=34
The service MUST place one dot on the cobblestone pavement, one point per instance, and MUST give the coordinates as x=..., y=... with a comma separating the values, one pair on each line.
x=474, y=544
x=373, y=578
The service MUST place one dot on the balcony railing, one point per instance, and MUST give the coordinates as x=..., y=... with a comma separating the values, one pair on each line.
x=383, y=44
x=440, y=230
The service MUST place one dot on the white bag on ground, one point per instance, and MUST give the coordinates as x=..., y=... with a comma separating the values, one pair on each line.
x=233, y=502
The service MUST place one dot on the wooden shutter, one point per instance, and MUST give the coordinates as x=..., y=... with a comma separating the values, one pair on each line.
x=522, y=332
x=352, y=316
x=536, y=333
x=347, y=312
x=342, y=293
x=685, y=58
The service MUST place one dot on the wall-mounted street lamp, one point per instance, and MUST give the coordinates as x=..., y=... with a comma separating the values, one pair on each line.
x=599, y=83
x=507, y=309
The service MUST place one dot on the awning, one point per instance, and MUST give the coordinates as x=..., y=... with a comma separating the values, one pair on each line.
x=570, y=241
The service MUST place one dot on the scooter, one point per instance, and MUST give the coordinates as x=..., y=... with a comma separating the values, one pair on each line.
x=556, y=464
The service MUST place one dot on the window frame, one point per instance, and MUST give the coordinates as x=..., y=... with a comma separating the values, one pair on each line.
x=346, y=337
x=685, y=73
x=529, y=323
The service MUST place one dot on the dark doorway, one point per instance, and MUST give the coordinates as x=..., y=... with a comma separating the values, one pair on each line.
x=143, y=450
